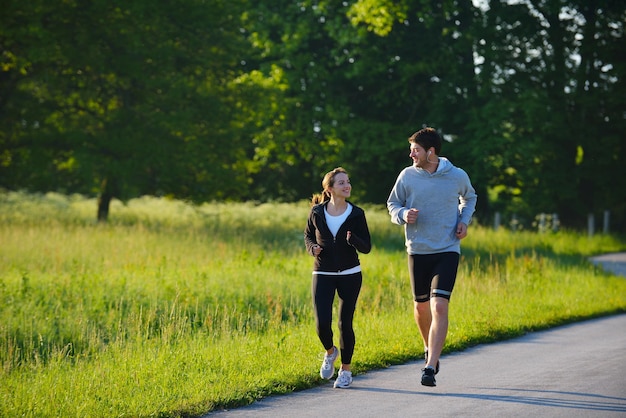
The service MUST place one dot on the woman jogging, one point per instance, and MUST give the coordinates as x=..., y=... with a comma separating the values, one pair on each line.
x=336, y=229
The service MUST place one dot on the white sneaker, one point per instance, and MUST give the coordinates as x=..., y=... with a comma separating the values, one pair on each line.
x=344, y=378
x=328, y=365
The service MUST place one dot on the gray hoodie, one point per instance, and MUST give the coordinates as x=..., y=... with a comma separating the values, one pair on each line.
x=443, y=198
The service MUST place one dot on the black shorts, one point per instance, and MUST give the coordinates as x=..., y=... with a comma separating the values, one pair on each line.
x=433, y=275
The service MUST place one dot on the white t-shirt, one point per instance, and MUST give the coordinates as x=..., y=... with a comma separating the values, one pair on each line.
x=335, y=222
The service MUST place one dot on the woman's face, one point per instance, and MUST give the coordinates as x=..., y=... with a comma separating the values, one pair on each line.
x=341, y=187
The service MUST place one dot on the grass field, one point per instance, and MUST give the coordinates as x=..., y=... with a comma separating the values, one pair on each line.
x=173, y=310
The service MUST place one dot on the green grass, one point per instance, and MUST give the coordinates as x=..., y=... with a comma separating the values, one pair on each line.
x=173, y=309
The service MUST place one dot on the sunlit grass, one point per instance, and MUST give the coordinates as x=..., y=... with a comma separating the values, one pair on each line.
x=172, y=309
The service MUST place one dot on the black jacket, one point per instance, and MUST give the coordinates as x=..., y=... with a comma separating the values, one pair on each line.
x=338, y=254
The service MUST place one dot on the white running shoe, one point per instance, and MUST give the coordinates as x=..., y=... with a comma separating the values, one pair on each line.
x=344, y=379
x=328, y=365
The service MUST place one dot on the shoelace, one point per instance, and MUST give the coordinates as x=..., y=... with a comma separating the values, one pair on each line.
x=328, y=362
x=329, y=359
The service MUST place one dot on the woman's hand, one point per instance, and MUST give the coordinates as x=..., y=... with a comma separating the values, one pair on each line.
x=317, y=250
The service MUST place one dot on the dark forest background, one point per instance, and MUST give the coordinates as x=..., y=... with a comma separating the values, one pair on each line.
x=247, y=100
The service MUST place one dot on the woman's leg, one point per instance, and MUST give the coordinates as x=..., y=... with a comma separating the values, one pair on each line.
x=348, y=289
x=323, y=289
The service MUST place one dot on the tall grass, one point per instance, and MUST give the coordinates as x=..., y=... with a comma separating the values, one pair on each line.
x=172, y=309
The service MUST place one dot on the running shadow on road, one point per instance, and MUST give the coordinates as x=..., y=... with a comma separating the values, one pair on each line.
x=556, y=399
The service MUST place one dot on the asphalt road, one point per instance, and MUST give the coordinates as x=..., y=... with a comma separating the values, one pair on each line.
x=615, y=262
x=577, y=370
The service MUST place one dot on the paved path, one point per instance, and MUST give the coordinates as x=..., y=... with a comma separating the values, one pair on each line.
x=578, y=370
x=615, y=262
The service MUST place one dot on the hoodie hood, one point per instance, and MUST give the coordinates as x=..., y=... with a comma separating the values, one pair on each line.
x=444, y=167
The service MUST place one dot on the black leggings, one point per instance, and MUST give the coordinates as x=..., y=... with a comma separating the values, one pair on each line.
x=348, y=288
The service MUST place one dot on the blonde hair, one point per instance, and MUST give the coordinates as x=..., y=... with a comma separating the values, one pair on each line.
x=327, y=183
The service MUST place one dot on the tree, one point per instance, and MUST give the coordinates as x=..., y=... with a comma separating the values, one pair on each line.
x=361, y=78
x=132, y=99
x=548, y=138
x=257, y=100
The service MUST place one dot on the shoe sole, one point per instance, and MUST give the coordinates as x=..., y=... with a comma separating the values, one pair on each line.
x=323, y=376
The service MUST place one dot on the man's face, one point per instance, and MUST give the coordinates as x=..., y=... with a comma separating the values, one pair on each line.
x=418, y=155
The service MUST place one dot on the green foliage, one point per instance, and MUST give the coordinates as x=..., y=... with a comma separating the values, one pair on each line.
x=541, y=101
x=255, y=100
x=139, y=95
x=147, y=314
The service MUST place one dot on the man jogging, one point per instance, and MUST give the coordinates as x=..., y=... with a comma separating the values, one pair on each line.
x=435, y=201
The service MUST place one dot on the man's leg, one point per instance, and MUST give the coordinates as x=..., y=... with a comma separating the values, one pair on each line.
x=423, y=319
x=438, y=329
x=420, y=287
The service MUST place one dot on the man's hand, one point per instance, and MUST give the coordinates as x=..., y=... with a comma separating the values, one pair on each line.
x=411, y=216
x=461, y=230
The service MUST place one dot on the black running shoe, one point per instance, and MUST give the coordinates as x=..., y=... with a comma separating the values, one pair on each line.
x=426, y=361
x=428, y=376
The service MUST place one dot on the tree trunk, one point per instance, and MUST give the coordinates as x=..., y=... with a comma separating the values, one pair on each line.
x=104, y=201
x=108, y=191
